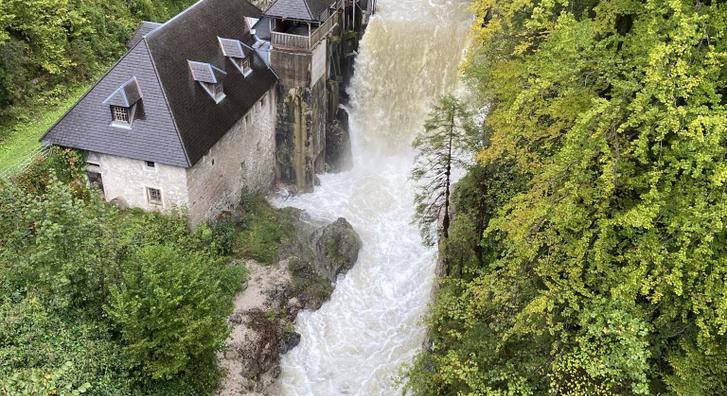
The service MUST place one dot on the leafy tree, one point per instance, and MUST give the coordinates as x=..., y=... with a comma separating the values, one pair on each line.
x=440, y=148
x=82, y=283
x=167, y=310
x=605, y=274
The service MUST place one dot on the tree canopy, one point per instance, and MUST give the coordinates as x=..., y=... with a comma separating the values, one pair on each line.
x=47, y=45
x=602, y=268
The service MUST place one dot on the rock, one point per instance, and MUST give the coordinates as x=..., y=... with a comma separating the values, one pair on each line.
x=120, y=203
x=262, y=324
x=338, y=144
x=336, y=249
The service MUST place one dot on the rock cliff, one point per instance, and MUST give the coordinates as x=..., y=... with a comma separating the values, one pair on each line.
x=303, y=277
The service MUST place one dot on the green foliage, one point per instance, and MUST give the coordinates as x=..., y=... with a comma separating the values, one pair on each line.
x=441, y=147
x=105, y=301
x=600, y=268
x=48, y=45
x=166, y=308
x=264, y=232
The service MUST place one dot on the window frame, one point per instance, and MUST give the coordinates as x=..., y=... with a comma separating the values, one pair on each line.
x=150, y=192
x=127, y=114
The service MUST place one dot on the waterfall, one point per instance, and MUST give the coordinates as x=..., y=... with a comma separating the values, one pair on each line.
x=357, y=343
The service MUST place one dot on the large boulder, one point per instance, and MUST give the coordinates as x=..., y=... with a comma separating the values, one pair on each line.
x=336, y=249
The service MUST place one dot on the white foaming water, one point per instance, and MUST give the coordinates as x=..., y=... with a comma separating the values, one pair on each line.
x=357, y=342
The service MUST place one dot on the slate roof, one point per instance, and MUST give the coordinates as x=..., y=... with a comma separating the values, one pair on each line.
x=232, y=48
x=144, y=28
x=204, y=72
x=304, y=10
x=178, y=122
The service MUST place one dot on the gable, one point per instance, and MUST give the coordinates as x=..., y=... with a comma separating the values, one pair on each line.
x=87, y=125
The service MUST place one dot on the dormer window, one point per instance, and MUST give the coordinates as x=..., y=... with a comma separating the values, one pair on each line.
x=120, y=115
x=123, y=103
x=238, y=53
x=210, y=78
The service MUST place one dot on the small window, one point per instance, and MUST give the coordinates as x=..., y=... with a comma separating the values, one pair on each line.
x=262, y=101
x=154, y=195
x=217, y=88
x=245, y=67
x=150, y=164
x=120, y=115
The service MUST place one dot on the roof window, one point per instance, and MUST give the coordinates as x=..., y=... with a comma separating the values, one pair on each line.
x=210, y=78
x=238, y=53
x=123, y=103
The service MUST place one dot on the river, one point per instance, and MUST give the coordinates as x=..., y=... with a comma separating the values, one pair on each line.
x=357, y=342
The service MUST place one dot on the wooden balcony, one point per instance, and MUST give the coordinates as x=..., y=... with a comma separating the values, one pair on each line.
x=305, y=43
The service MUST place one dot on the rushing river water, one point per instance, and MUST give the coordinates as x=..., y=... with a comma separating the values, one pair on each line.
x=357, y=343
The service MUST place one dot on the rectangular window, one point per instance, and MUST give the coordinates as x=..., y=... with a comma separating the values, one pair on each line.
x=120, y=114
x=154, y=195
x=150, y=164
x=245, y=66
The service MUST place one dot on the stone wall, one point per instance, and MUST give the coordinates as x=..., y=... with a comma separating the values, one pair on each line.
x=244, y=157
x=125, y=181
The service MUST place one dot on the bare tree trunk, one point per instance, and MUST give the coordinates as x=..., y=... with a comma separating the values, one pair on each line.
x=448, y=179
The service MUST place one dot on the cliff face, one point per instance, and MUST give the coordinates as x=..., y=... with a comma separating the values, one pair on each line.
x=262, y=323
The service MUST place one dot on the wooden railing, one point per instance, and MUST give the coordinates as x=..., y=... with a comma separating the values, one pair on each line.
x=290, y=41
x=324, y=29
x=306, y=43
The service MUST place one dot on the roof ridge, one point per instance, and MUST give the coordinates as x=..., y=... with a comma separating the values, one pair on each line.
x=172, y=19
x=307, y=7
x=166, y=101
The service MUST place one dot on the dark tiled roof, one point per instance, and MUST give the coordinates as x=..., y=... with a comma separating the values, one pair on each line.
x=305, y=10
x=193, y=35
x=179, y=122
x=87, y=125
x=127, y=94
x=262, y=28
x=144, y=28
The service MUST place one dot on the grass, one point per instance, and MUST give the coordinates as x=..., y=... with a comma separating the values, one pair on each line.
x=22, y=136
x=264, y=233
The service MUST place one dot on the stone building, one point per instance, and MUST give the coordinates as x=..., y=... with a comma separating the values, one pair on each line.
x=205, y=105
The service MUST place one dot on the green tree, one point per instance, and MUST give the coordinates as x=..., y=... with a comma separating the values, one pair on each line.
x=170, y=310
x=442, y=146
x=605, y=274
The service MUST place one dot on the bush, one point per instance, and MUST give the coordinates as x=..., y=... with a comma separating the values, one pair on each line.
x=170, y=311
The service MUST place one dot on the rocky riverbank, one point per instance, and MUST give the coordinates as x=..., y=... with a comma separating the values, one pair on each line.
x=303, y=277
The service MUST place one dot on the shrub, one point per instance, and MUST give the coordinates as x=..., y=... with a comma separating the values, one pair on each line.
x=170, y=310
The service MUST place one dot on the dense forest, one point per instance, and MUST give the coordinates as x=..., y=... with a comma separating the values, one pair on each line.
x=588, y=250
x=48, y=45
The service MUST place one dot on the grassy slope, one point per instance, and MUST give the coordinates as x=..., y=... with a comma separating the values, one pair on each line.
x=23, y=137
